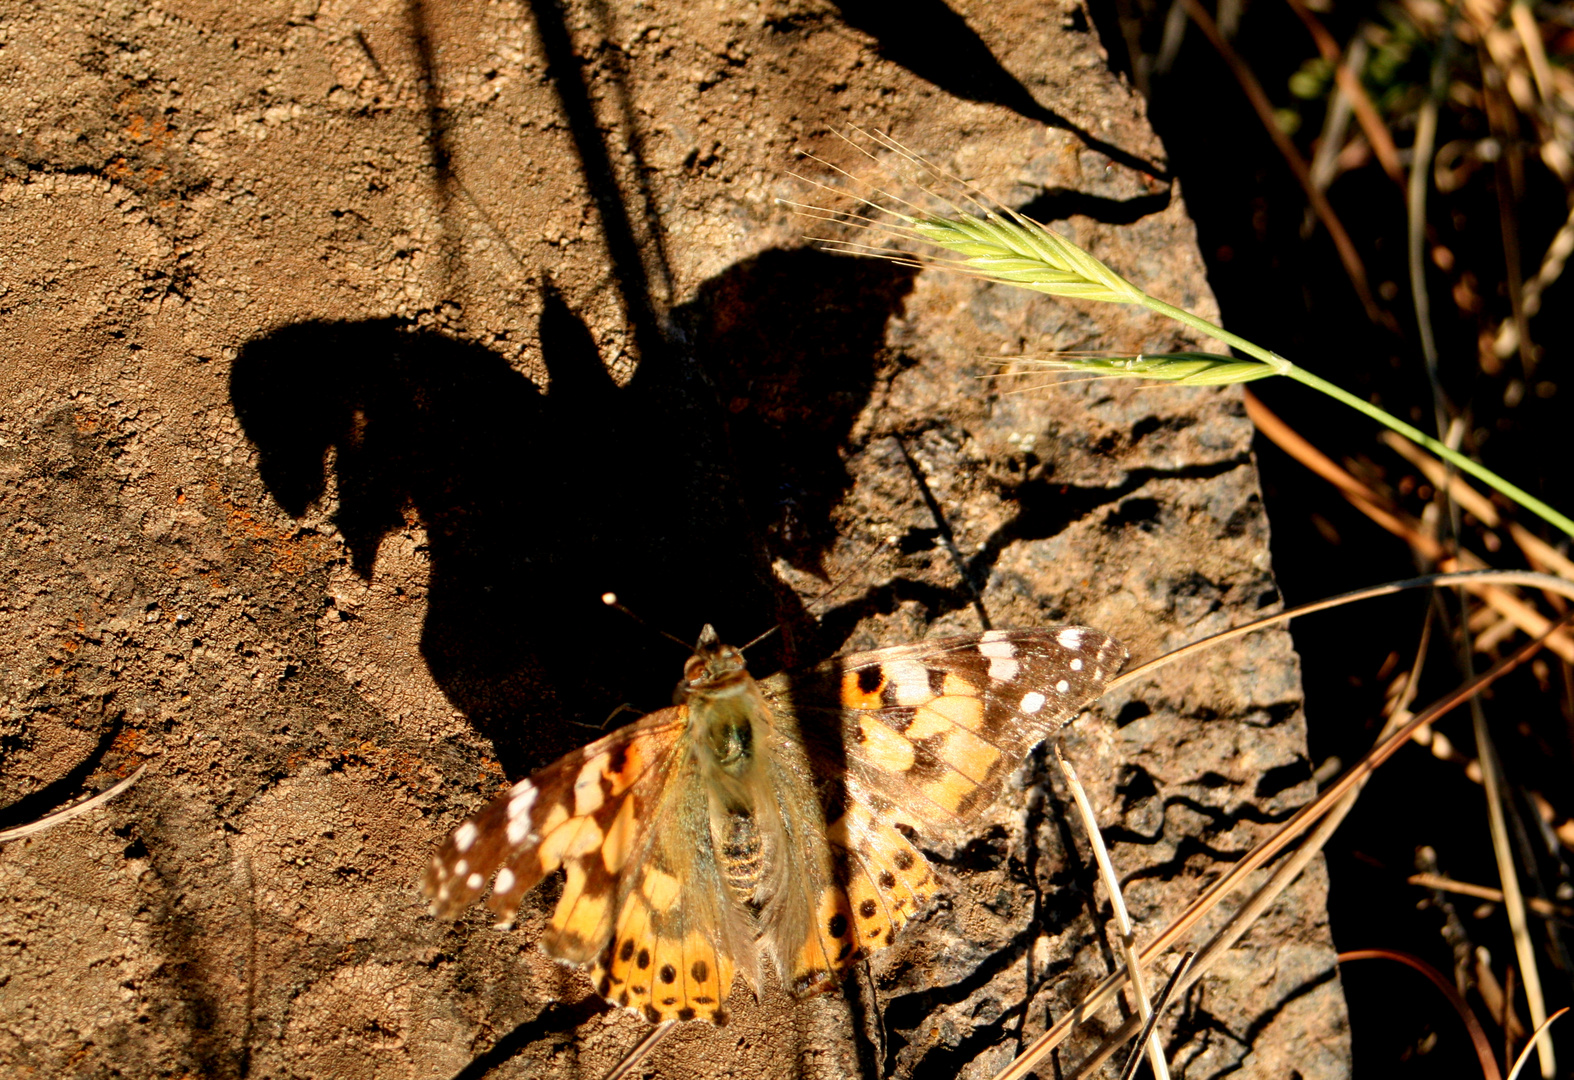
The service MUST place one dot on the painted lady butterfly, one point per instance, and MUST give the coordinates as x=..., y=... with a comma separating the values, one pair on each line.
x=781, y=815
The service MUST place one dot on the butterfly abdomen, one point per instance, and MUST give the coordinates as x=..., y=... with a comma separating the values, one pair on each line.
x=741, y=855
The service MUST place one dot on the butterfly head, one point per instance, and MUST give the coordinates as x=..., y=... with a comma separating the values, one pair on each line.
x=714, y=667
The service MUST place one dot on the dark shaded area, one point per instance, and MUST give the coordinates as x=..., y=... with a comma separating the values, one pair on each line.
x=556, y=1020
x=535, y=504
x=935, y=43
x=56, y=794
x=1058, y=204
x=1281, y=285
x=793, y=342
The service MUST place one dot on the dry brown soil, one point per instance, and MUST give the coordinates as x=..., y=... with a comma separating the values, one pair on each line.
x=353, y=348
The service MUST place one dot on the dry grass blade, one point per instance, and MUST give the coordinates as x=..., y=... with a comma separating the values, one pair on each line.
x=1478, y=1036
x=60, y=817
x=640, y=1052
x=1486, y=892
x=1128, y=938
x=1513, y=897
x=1330, y=806
x=1524, y=1055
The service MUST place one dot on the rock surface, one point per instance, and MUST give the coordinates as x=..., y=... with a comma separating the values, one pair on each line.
x=353, y=349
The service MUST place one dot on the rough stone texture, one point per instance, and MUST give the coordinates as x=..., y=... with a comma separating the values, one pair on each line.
x=352, y=349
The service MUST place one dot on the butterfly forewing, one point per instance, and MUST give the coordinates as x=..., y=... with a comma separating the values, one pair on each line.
x=582, y=804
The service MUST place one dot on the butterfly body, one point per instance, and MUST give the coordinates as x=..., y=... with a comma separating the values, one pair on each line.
x=776, y=818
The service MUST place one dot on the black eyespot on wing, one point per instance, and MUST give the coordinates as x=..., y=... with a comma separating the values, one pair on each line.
x=627, y=950
x=838, y=925
x=887, y=881
x=847, y=948
x=867, y=909
x=903, y=860
x=652, y=1015
x=668, y=973
x=644, y=959
x=870, y=678
x=700, y=971
x=685, y=1013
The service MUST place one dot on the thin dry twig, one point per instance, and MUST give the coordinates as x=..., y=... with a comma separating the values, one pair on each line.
x=1349, y=83
x=1486, y=892
x=1117, y=903
x=60, y=817
x=1329, y=806
x=1478, y=1036
x=1524, y=1055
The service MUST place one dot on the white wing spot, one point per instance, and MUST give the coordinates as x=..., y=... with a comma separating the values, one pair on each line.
x=1003, y=669
x=1076, y=663
x=503, y=882
x=1032, y=702
x=910, y=681
x=473, y=881
x=521, y=801
x=989, y=636
x=461, y=868
x=1062, y=686
x=518, y=829
x=464, y=836
x=1003, y=666
x=1070, y=637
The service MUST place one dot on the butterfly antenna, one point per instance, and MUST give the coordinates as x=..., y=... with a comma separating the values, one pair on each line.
x=761, y=638
x=855, y=573
x=611, y=600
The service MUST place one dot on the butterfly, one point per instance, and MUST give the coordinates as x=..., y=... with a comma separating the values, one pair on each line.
x=779, y=818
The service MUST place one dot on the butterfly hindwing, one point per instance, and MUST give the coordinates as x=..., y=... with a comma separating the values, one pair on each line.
x=679, y=935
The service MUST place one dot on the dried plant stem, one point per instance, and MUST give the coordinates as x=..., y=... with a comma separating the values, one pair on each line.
x=60, y=817
x=1321, y=815
x=640, y=1052
x=1478, y=1036
x=1318, y=201
x=1117, y=903
x=1486, y=892
x=1513, y=898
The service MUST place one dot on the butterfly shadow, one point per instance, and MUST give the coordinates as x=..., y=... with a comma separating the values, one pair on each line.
x=675, y=489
